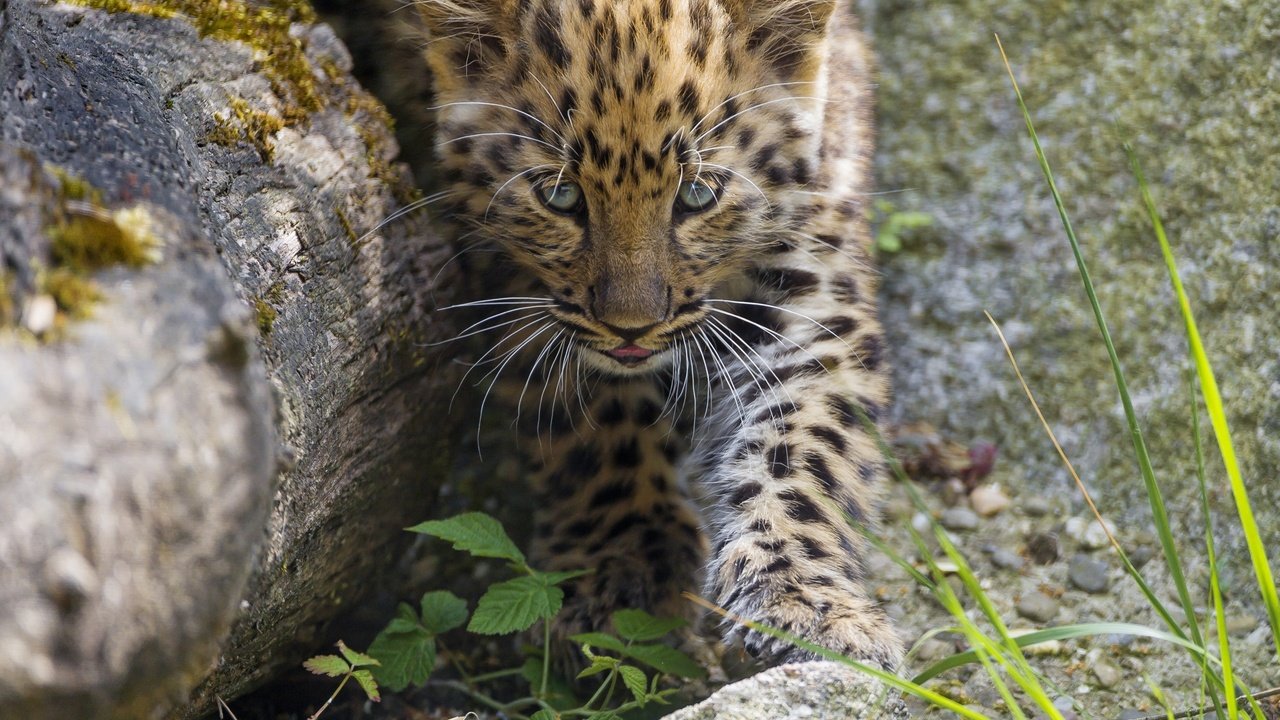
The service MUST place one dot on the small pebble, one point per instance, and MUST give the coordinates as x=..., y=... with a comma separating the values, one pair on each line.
x=1038, y=607
x=987, y=500
x=1042, y=548
x=1088, y=574
x=934, y=649
x=39, y=314
x=959, y=518
x=1130, y=714
x=954, y=492
x=1141, y=555
x=1106, y=672
x=1087, y=532
x=1004, y=559
x=1036, y=506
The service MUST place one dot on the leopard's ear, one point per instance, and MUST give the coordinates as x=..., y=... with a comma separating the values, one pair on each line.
x=466, y=39
x=790, y=35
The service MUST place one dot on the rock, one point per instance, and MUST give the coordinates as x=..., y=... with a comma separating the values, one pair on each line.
x=954, y=493
x=934, y=649
x=1042, y=548
x=1106, y=673
x=1141, y=555
x=824, y=689
x=1006, y=559
x=1038, y=607
x=959, y=518
x=1036, y=505
x=987, y=500
x=1088, y=574
x=165, y=539
x=1088, y=533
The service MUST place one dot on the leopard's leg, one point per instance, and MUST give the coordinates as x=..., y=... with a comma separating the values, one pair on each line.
x=795, y=461
x=608, y=502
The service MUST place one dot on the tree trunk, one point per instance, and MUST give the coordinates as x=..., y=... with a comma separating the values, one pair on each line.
x=214, y=385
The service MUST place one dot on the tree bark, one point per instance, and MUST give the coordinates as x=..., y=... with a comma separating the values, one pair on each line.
x=216, y=451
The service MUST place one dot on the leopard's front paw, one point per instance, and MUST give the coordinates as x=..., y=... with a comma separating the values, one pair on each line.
x=839, y=619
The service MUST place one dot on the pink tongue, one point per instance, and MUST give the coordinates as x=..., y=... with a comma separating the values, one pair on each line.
x=630, y=351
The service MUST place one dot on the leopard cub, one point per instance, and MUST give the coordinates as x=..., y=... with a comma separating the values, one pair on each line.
x=686, y=314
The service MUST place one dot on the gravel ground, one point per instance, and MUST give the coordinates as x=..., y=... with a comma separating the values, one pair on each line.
x=1043, y=564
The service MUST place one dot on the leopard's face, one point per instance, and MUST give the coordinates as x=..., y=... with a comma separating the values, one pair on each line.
x=634, y=155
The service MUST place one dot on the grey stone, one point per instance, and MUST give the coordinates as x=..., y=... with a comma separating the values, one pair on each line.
x=165, y=539
x=824, y=689
x=1038, y=607
x=1042, y=548
x=1006, y=559
x=959, y=518
x=1088, y=574
x=1036, y=505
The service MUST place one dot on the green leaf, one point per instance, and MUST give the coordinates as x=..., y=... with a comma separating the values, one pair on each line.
x=544, y=714
x=555, y=578
x=407, y=657
x=600, y=640
x=641, y=626
x=515, y=605
x=599, y=664
x=357, y=659
x=330, y=665
x=635, y=681
x=604, y=715
x=443, y=611
x=668, y=660
x=473, y=532
x=368, y=684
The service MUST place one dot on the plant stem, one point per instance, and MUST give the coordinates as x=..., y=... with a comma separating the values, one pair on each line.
x=546, y=655
x=329, y=702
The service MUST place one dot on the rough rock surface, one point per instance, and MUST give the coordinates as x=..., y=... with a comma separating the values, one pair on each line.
x=805, y=690
x=1195, y=89
x=175, y=526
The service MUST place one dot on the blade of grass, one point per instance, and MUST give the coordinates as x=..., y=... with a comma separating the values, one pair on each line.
x=1215, y=591
x=1129, y=567
x=1217, y=417
x=1063, y=632
x=1154, y=496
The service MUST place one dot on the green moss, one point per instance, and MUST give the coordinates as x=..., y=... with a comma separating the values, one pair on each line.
x=8, y=309
x=85, y=237
x=89, y=241
x=264, y=27
x=266, y=315
x=346, y=225
x=247, y=125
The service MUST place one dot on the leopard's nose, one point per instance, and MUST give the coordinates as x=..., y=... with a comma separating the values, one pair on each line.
x=629, y=334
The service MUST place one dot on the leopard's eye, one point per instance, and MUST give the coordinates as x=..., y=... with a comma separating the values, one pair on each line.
x=695, y=196
x=564, y=197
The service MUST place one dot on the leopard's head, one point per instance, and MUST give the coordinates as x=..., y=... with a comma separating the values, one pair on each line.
x=635, y=155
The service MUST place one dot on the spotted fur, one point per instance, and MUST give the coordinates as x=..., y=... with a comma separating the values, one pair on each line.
x=746, y=424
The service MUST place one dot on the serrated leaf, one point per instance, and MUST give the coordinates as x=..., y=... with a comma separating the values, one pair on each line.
x=600, y=640
x=368, y=684
x=599, y=664
x=330, y=665
x=405, y=611
x=668, y=660
x=635, y=681
x=640, y=626
x=443, y=611
x=475, y=533
x=407, y=658
x=604, y=715
x=544, y=714
x=515, y=605
x=400, y=625
x=356, y=658
x=555, y=578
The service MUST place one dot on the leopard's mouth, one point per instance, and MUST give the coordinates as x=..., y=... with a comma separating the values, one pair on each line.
x=630, y=355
